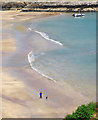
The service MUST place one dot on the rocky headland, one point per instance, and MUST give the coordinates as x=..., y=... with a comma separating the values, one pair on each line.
x=51, y=6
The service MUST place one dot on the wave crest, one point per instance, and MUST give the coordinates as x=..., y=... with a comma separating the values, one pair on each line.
x=44, y=35
x=31, y=59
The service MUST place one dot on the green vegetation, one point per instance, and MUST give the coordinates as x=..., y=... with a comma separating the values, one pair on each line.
x=83, y=112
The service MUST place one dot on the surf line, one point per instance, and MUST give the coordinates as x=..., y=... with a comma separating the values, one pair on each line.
x=31, y=59
x=44, y=35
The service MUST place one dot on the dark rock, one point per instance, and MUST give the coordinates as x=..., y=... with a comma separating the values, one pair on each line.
x=51, y=6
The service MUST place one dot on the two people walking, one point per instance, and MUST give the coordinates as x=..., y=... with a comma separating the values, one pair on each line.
x=41, y=95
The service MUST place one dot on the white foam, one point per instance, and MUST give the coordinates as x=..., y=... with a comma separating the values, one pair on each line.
x=31, y=58
x=44, y=35
x=29, y=29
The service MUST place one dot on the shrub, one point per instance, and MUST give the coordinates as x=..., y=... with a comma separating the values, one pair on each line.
x=83, y=112
x=91, y=108
x=69, y=117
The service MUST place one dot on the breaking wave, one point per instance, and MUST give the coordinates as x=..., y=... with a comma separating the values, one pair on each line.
x=31, y=59
x=44, y=35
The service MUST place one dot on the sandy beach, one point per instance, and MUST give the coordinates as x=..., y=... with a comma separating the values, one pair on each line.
x=21, y=85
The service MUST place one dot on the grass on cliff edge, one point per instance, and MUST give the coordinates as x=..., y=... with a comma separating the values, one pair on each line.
x=84, y=112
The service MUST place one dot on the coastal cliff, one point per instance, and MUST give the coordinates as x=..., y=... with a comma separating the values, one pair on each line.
x=51, y=6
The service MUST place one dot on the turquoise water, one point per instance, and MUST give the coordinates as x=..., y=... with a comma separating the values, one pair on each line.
x=74, y=59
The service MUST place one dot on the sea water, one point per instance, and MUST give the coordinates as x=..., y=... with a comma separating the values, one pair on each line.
x=74, y=59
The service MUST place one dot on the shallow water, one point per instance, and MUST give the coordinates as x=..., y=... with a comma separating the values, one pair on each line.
x=73, y=60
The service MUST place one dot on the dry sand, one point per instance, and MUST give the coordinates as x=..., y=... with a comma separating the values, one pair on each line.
x=21, y=85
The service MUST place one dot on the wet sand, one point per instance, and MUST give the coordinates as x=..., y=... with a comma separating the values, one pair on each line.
x=21, y=85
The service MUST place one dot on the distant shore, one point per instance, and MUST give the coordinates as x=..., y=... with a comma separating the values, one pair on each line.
x=51, y=6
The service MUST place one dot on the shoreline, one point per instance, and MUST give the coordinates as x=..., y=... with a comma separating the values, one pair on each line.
x=16, y=65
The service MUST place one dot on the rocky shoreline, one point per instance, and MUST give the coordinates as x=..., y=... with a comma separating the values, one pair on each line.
x=51, y=6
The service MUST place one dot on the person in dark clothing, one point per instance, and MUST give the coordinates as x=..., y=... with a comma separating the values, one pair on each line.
x=46, y=97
